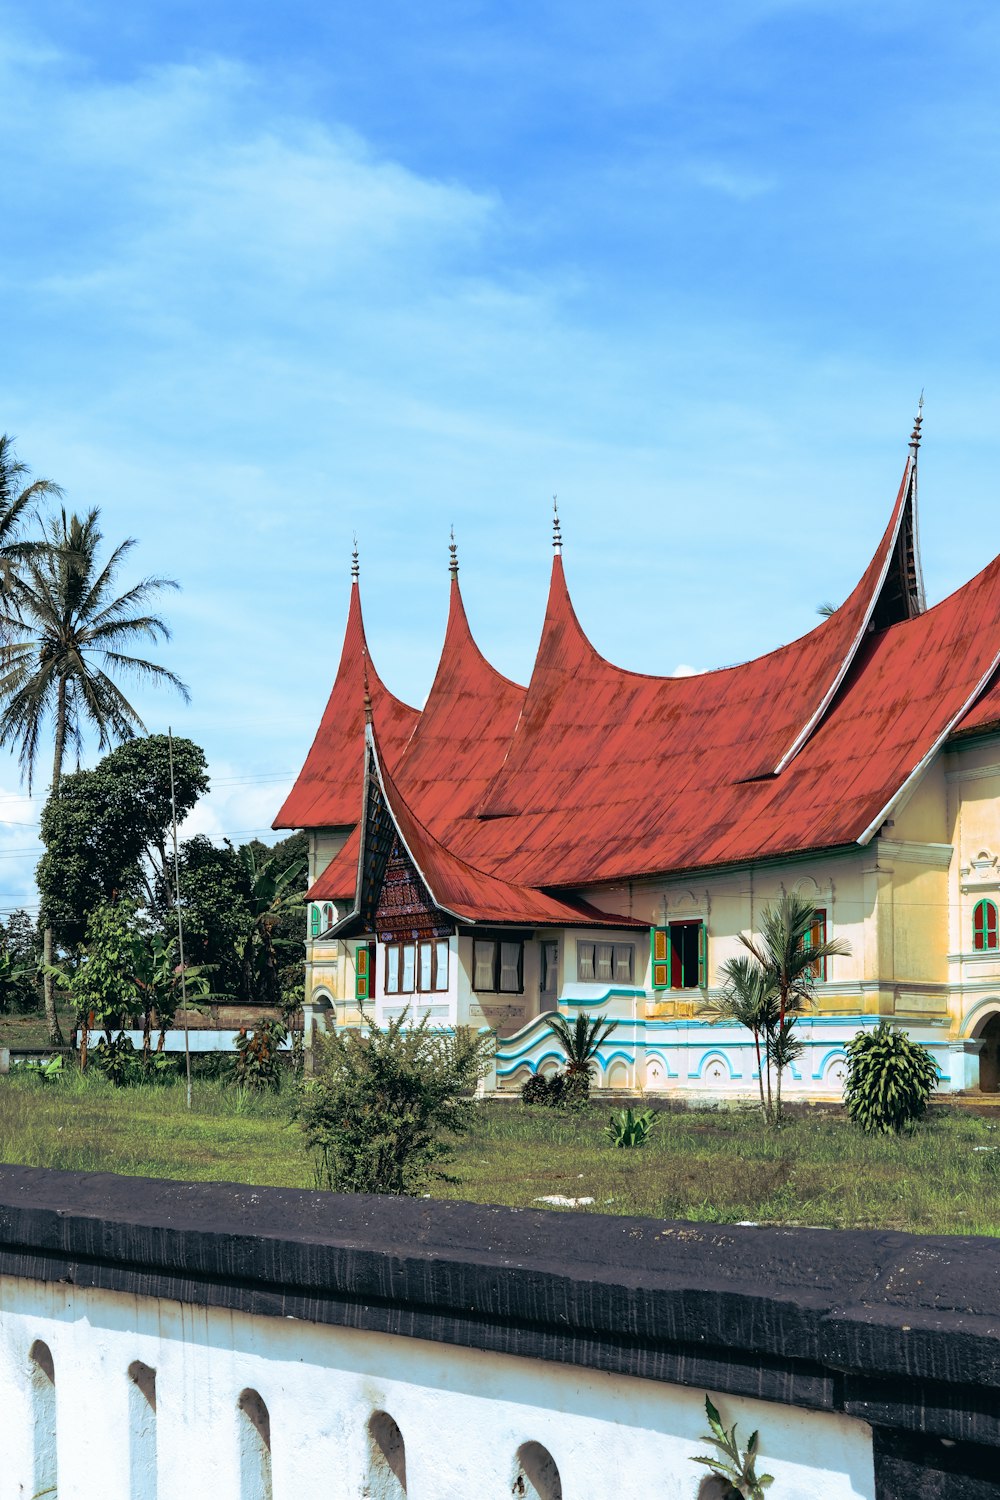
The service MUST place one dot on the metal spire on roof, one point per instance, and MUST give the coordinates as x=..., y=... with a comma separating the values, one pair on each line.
x=918, y=423
x=453, y=555
x=355, y=569
x=556, y=527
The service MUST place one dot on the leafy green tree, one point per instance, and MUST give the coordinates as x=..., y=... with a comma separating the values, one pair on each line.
x=100, y=984
x=66, y=638
x=20, y=956
x=274, y=898
x=160, y=984
x=244, y=915
x=106, y=831
x=380, y=1110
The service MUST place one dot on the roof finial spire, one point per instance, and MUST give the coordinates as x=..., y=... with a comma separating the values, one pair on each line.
x=453, y=555
x=355, y=569
x=918, y=423
x=556, y=527
x=368, y=694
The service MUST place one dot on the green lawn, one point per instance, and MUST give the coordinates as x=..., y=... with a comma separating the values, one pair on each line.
x=700, y=1164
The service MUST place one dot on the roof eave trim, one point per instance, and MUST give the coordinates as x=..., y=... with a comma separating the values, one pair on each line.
x=806, y=731
x=919, y=769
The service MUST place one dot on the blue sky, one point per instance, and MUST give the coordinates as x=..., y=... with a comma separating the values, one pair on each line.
x=271, y=276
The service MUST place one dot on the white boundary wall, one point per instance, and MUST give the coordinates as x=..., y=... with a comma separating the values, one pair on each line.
x=463, y=1413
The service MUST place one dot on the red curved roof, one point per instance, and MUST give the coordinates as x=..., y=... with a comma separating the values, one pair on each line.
x=585, y=719
x=984, y=714
x=455, y=886
x=600, y=774
x=461, y=738
x=327, y=791
x=908, y=687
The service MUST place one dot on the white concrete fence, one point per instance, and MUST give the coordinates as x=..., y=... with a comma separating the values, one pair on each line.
x=166, y=1341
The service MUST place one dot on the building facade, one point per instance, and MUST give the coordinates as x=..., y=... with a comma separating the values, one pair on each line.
x=600, y=839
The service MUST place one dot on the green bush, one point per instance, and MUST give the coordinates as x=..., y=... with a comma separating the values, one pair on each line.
x=630, y=1128
x=889, y=1080
x=382, y=1102
x=257, y=1062
x=547, y=1089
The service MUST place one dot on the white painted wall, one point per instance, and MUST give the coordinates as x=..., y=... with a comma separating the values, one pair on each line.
x=463, y=1415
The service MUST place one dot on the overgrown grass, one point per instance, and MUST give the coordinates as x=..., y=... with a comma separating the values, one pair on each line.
x=709, y=1165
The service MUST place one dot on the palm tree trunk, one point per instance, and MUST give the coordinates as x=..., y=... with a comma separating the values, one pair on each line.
x=48, y=956
x=760, y=1073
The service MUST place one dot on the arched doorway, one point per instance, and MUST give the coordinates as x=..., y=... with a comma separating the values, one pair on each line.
x=989, y=1056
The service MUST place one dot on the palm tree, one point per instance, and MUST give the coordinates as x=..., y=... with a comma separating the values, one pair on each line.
x=18, y=497
x=581, y=1043
x=64, y=632
x=273, y=894
x=748, y=999
x=790, y=964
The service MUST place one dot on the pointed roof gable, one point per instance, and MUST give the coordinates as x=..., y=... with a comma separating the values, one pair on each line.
x=468, y=895
x=327, y=791
x=462, y=736
x=584, y=716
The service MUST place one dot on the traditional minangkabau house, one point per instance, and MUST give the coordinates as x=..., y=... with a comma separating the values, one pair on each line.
x=510, y=851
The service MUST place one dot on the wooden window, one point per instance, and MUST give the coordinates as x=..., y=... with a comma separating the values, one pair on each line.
x=329, y=917
x=985, y=927
x=416, y=968
x=680, y=956
x=498, y=966
x=364, y=971
x=314, y=921
x=815, y=937
x=585, y=963
x=659, y=938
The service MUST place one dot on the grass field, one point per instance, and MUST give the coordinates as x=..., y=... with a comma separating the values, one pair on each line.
x=708, y=1165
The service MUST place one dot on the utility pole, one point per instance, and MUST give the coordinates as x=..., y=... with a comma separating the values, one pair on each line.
x=180, y=920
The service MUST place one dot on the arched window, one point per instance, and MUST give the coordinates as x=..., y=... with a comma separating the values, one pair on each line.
x=142, y=1431
x=45, y=1474
x=985, y=927
x=536, y=1476
x=314, y=921
x=329, y=916
x=255, y=1447
x=386, y=1479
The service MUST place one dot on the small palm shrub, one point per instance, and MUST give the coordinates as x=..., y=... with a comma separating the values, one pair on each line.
x=889, y=1080
x=630, y=1128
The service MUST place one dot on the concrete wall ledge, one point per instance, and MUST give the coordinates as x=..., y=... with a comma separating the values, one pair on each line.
x=901, y=1331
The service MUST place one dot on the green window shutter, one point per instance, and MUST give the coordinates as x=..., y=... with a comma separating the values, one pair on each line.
x=659, y=939
x=314, y=922
x=362, y=976
x=703, y=955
